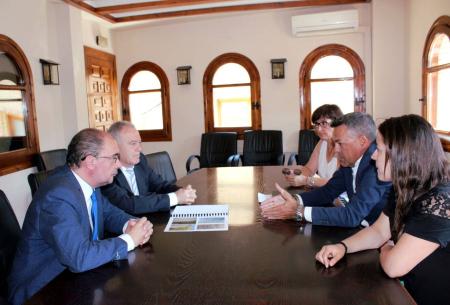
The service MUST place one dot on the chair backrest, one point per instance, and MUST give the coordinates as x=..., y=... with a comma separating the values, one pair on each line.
x=216, y=148
x=48, y=160
x=307, y=141
x=263, y=147
x=9, y=237
x=160, y=162
x=12, y=143
x=35, y=180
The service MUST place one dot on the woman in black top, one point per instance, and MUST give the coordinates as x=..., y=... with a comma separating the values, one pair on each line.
x=414, y=229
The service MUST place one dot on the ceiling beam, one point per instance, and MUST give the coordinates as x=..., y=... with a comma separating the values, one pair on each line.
x=105, y=12
x=151, y=5
x=87, y=8
x=237, y=8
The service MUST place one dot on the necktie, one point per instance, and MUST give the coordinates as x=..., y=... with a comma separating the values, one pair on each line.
x=94, y=216
x=132, y=180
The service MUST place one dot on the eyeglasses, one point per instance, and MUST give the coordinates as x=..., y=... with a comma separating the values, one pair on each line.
x=323, y=124
x=115, y=157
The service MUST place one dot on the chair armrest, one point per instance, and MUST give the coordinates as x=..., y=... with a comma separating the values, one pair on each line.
x=233, y=160
x=189, y=160
x=292, y=159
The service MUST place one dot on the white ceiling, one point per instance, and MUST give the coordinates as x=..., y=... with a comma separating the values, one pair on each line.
x=119, y=11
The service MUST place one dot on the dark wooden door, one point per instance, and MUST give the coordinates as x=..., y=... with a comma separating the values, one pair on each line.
x=101, y=82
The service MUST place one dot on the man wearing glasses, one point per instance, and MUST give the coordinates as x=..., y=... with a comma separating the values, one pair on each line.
x=137, y=189
x=353, y=135
x=66, y=221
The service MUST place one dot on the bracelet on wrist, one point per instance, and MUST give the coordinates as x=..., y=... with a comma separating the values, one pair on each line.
x=299, y=211
x=345, y=246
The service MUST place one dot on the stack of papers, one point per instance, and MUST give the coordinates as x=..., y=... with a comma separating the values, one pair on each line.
x=191, y=218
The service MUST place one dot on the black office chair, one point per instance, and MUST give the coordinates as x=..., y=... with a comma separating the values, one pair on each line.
x=36, y=179
x=160, y=162
x=216, y=150
x=12, y=143
x=9, y=237
x=307, y=141
x=263, y=147
x=48, y=160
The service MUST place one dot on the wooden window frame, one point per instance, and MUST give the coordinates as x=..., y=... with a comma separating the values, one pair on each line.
x=164, y=134
x=359, y=79
x=440, y=26
x=255, y=91
x=20, y=159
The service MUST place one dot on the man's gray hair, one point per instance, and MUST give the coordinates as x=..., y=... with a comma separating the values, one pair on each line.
x=358, y=122
x=87, y=142
x=117, y=127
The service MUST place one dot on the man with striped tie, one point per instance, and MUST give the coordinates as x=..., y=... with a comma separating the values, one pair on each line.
x=137, y=189
x=66, y=220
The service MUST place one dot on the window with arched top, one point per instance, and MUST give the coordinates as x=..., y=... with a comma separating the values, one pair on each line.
x=436, y=78
x=331, y=74
x=145, y=101
x=231, y=87
x=18, y=131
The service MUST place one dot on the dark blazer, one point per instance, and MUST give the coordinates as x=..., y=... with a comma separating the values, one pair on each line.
x=56, y=235
x=152, y=188
x=367, y=203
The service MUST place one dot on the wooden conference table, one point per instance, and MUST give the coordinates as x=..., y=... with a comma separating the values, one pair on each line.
x=254, y=262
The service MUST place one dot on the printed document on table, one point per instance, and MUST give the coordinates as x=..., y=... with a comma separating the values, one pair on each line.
x=192, y=218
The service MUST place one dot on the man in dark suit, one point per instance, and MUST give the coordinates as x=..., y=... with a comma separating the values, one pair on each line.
x=354, y=136
x=64, y=224
x=137, y=189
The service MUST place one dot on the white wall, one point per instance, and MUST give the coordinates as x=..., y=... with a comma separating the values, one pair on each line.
x=389, y=60
x=421, y=15
x=48, y=30
x=399, y=31
x=260, y=36
x=53, y=30
x=16, y=188
x=35, y=37
x=92, y=27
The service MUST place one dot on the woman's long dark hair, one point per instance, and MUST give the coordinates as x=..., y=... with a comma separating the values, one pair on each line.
x=418, y=162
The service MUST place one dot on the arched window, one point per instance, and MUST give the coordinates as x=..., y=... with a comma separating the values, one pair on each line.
x=436, y=78
x=145, y=101
x=331, y=74
x=18, y=132
x=231, y=89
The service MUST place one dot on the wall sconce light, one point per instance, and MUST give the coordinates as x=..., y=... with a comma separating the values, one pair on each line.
x=278, y=68
x=50, y=72
x=184, y=75
x=101, y=41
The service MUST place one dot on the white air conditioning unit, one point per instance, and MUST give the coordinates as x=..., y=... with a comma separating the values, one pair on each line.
x=325, y=23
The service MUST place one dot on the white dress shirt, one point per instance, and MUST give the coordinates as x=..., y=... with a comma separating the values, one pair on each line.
x=129, y=174
x=87, y=192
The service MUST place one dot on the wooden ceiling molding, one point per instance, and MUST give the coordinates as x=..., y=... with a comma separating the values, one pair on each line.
x=138, y=11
